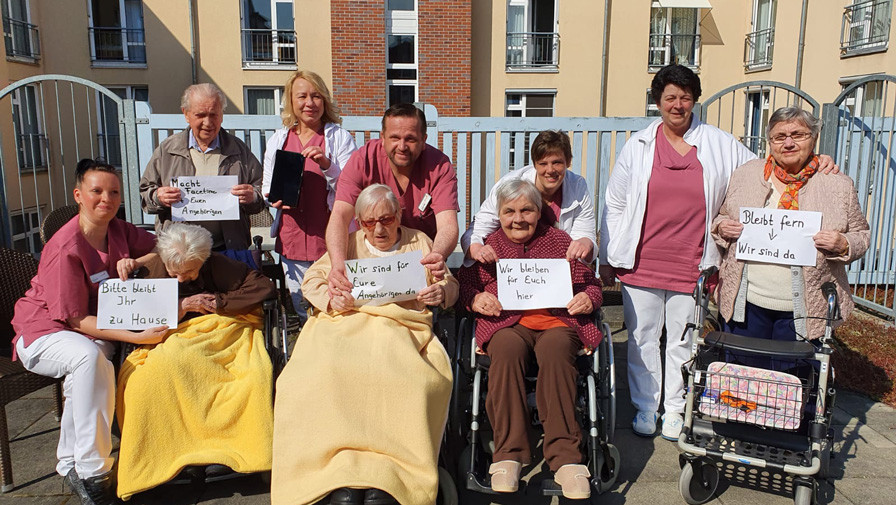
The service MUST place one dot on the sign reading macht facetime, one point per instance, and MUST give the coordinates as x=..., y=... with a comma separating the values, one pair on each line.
x=137, y=304
x=206, y=198
x=525, y=284
x=396, y=278
x=778, y=236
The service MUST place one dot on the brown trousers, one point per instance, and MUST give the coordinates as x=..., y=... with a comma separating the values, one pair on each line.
x=555, y=351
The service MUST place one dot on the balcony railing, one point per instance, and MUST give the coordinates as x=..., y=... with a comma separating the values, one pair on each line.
x=527, y=50
x=865, y=27
x=112, y=44
x=758, y=49
x=32, y=148
x=269, y=47
x=22, y=40
x=670, y=48
x=109, y=147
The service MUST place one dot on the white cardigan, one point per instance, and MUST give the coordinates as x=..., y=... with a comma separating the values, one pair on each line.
x=339, y=146
x=626, y=197
x=576, y=210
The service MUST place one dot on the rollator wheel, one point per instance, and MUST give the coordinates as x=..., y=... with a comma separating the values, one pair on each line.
x=447, y=490
x=824, y=455
x=698, y=489
x=803, y=495
x=608, y=471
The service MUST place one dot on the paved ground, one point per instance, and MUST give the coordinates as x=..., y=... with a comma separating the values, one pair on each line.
x=864, y=468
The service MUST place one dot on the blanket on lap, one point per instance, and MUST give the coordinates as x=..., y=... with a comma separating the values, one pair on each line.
x=203, y=396
x=362, y=403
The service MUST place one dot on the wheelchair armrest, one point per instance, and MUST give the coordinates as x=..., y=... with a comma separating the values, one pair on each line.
x=760, y=347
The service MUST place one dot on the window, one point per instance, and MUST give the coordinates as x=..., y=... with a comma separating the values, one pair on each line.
x=756, y=115
x=22, y=41
x=401, y=51
x=269, y=36
x=652, y=110
x=26, y=231
x=116, y=32
x=533, y=41
x=31, y=143
x=760, y=43
x=107, y=136
x=865, y=100
x=674, y=37
x=527, y=103
x=865, y=27
x=263, y=101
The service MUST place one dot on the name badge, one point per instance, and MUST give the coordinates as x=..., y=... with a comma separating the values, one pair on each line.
x=99, y=277
x=424, y=203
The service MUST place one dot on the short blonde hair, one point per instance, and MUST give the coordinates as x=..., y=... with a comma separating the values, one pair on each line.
x=181, y=243
x=331, y=110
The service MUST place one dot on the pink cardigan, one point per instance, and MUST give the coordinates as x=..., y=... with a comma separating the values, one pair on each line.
x=832, y=195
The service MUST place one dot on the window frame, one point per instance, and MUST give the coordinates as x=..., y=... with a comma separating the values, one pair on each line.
x=126, y=59
x=40, y=133
x=751, y=63
x=31, y=220
x=32, y=54
x=666, y=48
x=523, y=108
x=278, y=98
x=848, y=47
x=402, y=23
x=275, y=62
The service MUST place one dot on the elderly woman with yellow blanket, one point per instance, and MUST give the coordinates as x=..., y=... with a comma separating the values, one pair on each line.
x=362, y=403
x=203, y=396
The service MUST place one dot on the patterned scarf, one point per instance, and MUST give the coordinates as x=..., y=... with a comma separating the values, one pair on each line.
x=789, y=199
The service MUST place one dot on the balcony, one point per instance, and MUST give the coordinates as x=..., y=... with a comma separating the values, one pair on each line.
x=265, y=48
x=672, y=48
x=109, y=147
x=113, y=46
x=22, y=40
x=533, y=51
x=32, y=149
x=758, y=49
x=865, y=28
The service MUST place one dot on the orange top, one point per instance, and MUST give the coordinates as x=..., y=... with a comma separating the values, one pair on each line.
x=540, y=319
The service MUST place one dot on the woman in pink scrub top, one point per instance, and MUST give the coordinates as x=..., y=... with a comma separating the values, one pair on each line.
x=56, y=325
x=311, y=127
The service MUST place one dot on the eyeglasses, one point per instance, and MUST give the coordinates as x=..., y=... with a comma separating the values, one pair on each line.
x=371, y=223
x=795, y=136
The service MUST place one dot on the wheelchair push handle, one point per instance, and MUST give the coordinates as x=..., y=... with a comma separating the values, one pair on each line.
x=829, y=289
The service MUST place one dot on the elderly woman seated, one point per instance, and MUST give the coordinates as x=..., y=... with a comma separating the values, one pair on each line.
x=755, y=298
x=203, y=395
x=510, y=337
x=362, y=404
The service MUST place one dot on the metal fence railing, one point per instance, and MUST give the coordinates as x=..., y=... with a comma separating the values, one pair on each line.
x=533, y=50
x=269, y=47
x=759, y=47
x=114, y=44
x=671, y=48
x=109, y=147
x=865, y=27
x=22, y=39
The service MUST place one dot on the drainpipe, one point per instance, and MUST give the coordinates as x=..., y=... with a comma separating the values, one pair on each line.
x=604, y=57
x=193, y=68
x=801, y=46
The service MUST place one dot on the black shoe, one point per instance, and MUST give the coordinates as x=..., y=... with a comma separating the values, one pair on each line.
x=378, y=497
x=347, y=496
x=97, y=490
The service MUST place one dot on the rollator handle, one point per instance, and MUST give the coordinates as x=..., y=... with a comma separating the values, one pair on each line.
x=829, y=289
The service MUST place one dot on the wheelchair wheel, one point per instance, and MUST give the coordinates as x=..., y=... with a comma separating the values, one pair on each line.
x=699, y=488
x=447, y=490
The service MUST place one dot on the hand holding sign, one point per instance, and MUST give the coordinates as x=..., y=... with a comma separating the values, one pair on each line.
x=137, y=304
x=525, y=284
x=388, y=279
x=206, y=199
x=778, y=236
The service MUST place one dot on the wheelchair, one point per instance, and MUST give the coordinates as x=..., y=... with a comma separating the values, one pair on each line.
x=595, y=406
x=739, y=419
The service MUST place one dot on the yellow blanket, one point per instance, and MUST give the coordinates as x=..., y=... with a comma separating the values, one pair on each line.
x=202, y=396
x=361, y=403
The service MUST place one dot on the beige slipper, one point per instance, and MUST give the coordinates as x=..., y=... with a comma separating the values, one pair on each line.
x=505, y=476
x=574, y=481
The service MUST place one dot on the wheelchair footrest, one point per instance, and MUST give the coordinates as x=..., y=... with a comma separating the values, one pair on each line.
x=551, y=488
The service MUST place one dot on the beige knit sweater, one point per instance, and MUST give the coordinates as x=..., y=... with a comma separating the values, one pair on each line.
x=832, y=195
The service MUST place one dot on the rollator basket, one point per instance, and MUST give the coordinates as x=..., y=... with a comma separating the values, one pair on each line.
x=751, y=395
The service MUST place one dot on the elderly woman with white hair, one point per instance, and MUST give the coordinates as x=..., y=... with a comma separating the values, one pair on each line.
x=201, y=398
x=753, y=299
x=362, y=404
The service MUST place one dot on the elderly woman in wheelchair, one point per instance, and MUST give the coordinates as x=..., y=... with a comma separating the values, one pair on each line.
x=554, y=336
x=200, y=401
x=362, y=404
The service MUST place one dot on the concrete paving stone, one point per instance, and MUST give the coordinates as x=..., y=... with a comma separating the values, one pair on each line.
x=865, y=433
x=858, y=459
x=647, y=493
x=866, y=491
x=21, y=413
x=37, y=500
x=858, y=405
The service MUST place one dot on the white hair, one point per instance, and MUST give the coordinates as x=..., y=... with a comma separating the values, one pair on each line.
x=202, y=90
x=181, y=243
x=511, y=189
x=374, y=194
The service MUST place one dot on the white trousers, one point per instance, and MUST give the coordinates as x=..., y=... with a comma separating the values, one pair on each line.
x=85, y=436
x=294, y=273
x=646, y=311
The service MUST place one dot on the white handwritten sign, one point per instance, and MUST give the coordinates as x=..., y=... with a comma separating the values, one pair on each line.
x=376, y=281
x=525, y=284
x=778, y=236
x=137, y=304
x=206, y=198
